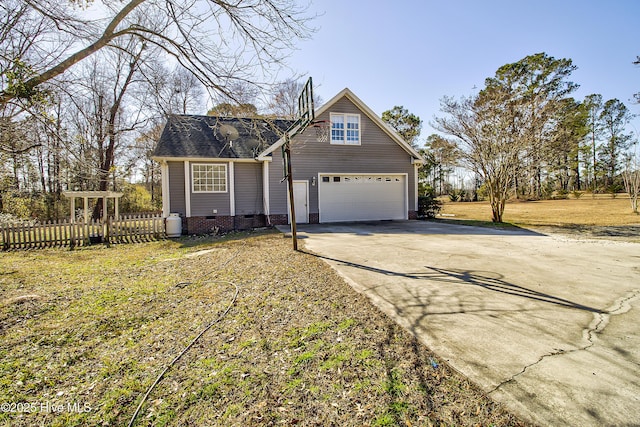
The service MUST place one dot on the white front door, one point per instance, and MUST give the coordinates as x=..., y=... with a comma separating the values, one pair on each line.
x=301, y=201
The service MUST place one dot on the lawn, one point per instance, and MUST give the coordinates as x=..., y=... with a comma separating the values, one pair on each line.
x=601, y=214
x=85, y=333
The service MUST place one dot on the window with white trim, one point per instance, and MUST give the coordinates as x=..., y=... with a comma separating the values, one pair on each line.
x=209, y=178
x=345, y=129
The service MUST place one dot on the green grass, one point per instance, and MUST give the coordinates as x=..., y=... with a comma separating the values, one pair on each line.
x=96, y=326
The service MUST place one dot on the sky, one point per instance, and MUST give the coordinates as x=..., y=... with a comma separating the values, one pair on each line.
x=412, y=52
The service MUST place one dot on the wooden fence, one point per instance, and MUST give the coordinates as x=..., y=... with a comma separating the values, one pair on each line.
x=124, y=229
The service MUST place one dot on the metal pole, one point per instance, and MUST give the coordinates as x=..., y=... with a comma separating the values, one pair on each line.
x=292, y=213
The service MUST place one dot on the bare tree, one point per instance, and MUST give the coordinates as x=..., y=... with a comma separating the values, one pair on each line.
x=31, y=38
x=105, y=111
x=535, y=87
x=442, y=156
x=244, y=102
x=508, y=126
x=172, y=92
x=631, y=173
x=631, y=179
x=488, y=130
x=218, y=41
x=284, y=99
x=111, y=123
x=79, y=128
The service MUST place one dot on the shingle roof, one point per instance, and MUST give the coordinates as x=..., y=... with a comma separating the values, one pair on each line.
x=218, y=137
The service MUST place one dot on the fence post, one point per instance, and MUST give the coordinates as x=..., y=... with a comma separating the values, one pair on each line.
x=127, y=228
x=72, y=235
x=107, y=234
x=5, y=239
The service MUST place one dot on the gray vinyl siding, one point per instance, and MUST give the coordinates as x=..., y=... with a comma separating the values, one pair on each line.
x=248, y=188
x=203, y=204
x=277, y=188
x=377, y=153
x=176, y=188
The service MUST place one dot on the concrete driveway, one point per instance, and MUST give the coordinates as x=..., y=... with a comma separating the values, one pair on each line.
x=546, y=324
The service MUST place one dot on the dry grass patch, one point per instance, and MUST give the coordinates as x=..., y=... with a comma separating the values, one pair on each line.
x=600, y=211
x=94, y=328
x=599, y=217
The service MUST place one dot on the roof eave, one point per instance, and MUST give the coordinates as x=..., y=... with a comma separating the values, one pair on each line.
x=203, y=159
x=346, y=92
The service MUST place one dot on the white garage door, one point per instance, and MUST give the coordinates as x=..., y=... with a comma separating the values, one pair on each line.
x=350, y=197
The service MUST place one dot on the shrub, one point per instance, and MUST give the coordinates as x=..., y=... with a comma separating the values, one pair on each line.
x=136, y=198
x=614, y=189
x=17, y=205
x=428, y=206
x=458, y=195
x=561, y=194
x=424, y=188
x=7, y=219
x=483, y=192
x=577, y=194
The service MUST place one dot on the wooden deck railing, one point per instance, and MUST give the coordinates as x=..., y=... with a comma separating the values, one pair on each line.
x=124, y=229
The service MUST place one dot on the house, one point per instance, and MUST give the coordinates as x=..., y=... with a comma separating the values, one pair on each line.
x=227, y=173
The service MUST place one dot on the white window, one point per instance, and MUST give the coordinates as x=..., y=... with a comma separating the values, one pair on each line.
x=209, y=178
x=345, y=129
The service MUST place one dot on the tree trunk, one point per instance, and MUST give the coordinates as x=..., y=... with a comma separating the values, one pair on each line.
x=43, y=178
x=576, y=172
x=497, y=209
x=497, y=199
x=595, y=174
x=108, y=160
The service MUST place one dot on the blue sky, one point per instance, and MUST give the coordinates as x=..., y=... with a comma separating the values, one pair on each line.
x=412, y=53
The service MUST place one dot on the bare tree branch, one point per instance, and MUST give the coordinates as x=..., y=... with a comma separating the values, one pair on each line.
x=108, y=35
x=249, y=34
x=22, y=150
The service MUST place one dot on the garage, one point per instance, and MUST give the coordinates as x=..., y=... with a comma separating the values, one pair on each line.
x=362, y=197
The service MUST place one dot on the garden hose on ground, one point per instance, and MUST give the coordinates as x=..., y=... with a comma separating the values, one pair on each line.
x=175, y=360
x=182, y=353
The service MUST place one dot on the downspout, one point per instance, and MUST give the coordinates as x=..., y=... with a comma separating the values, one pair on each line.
x=166, y=203
x=265, y=192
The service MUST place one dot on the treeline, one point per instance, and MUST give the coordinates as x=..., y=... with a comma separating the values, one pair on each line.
x=85, y=88
x=95, y=132
x=525, y=136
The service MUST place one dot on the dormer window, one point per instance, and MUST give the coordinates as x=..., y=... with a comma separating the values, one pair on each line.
x=345, y=129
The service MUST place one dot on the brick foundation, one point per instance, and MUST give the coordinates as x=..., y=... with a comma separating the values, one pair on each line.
x=246, y=222
x=279, y=219
x=282, y=219
x=207, y=225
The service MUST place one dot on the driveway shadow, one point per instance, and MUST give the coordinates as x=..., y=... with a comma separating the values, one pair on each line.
x=434, y=227
x=485, y=280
